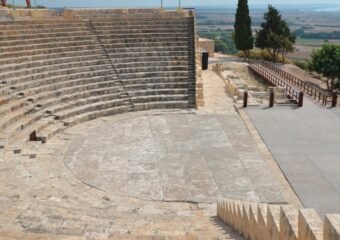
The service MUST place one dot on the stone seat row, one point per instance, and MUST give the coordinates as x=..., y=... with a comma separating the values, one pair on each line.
x=66, y=41
x=63, y=24
x=21, y=63
x=23, y=82
x=46, y=29
x=40, y=93
x=52, y=67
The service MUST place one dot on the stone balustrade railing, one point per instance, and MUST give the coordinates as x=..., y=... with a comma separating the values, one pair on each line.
x=277, y=222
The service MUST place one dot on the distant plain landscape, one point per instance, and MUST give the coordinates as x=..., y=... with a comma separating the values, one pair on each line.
x=314, y=25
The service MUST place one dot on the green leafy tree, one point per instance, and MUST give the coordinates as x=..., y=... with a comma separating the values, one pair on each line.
x=243, y=35
x=221, y=46
x=326, y=61
x=275, y=35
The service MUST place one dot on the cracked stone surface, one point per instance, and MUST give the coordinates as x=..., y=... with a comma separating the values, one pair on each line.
x=173, y=157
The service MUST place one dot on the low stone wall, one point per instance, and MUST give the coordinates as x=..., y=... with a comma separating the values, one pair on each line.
x=73, y=13
x=198, y=70
x=277, y=222
x=208, y=45
x=17, y=14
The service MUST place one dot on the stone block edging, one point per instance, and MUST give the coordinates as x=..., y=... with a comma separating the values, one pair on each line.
x=277, y=222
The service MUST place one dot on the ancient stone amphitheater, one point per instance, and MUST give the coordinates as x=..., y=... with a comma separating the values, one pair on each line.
x=139, y=169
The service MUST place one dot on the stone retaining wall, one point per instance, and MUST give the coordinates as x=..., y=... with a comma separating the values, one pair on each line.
x=18, y=14
x=208, y=45
x=277, y=222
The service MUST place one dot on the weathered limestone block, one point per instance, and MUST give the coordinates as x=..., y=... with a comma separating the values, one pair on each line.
x=253, y=221
x=223, y=211
x=239, y=218
x=262, y=230
x=332, y=227
x=273, y=221
x=245, y=220
x=309, y=225
x=288, y=222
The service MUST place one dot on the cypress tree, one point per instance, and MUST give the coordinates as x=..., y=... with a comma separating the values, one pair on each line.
x=244, y=40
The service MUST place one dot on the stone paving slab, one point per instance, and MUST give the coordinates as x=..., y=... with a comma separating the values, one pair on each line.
x=173, y=157
x=305, y=142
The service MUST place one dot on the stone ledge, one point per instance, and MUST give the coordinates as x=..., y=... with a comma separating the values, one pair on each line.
x=277, y=222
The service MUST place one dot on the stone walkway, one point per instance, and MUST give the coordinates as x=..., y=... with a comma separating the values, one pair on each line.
x=215, y=97
x=306, y=145
x=179, y=157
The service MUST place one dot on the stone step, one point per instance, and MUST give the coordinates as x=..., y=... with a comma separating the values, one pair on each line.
x=107, y=37
x=14, y=117
x=47, y=45
x=22, y=107
x=62, y=73
x=159, y=98
x=68, y=28
x=55, y=92
x=38, y=94
x=121, y=19
x=20, y=50
x=86, y=108
x=18, y=138
x=108, y=26
x=32, y=22
x=147, y=31
x=85, y=35
x=30, y=32
x=52, y=39
x=120, y=67
x=29, y=64
x=22, y=90
x=49, y=57
x=93, y=115
x=55, y=67
x=159, y=63
x=69, y=103
x=139, y=69
x=148, y=35
x=133, y=60
x=168, y=74
x=123, y=55
x=22, y=25
x=21, y=127
x=19, y=35
x=155, y=50
x=160, y=105
x=8, y=40
x=145, y=44
x=46, y=52
x=165, y=85
x=132, y=81
x=151, y=92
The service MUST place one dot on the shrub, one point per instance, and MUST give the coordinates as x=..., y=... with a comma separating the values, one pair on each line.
x=301, y=64
x=258, y=54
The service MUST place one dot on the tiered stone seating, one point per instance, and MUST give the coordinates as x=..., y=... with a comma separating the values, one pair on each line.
x=151, y=57
x=54, y=74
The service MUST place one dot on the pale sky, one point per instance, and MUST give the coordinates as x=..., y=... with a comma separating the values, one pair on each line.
x=156, y=3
